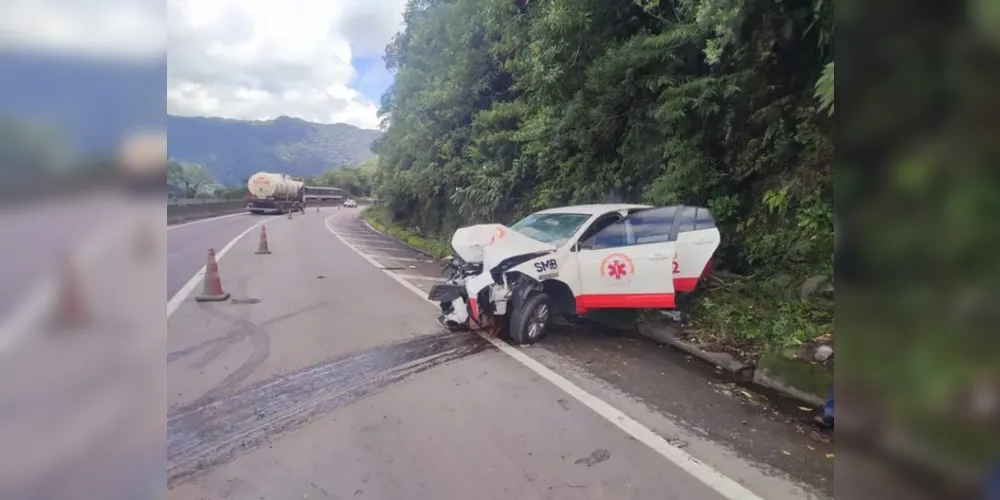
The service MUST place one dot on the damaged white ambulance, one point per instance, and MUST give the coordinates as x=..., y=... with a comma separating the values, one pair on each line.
x=570, y=260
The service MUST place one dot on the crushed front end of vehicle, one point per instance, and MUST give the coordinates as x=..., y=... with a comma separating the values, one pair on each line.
x=476, y=293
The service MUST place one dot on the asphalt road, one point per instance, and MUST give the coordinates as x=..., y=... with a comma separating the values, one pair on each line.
x=326, y=376
x=188, y=244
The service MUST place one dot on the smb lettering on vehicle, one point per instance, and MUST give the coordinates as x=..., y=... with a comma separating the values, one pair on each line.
x=547, y=265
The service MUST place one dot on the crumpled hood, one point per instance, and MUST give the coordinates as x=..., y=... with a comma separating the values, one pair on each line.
x=492, y=243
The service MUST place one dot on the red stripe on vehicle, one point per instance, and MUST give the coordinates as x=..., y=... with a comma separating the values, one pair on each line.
x=474, y=309
x=685, y=284
x=688, y=284
x=624, y=301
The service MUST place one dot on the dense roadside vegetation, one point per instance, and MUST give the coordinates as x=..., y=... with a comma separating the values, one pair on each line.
x=501, y=108
x=379, y=218
x=355, y=180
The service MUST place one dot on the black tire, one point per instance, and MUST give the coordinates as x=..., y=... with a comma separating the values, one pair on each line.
x=535, y=311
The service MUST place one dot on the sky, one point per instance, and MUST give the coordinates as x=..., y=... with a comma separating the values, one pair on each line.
x=318, y=60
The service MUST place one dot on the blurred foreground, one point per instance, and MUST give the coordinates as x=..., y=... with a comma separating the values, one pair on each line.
x=82, y=331
x=918, y=200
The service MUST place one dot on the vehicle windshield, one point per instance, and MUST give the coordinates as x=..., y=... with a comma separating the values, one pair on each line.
x=552, y=228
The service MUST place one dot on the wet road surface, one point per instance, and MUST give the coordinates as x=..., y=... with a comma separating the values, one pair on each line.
x=324, y=378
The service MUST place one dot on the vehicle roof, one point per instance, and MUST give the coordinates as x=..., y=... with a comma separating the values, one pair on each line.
x=593, y=209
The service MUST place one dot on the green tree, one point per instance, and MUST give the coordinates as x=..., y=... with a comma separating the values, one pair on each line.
x=189, y=177
x=499, y=109
x=355, y=181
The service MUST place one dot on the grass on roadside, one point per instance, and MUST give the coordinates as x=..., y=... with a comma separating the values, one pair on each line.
x=379, y=219
x=759, y=323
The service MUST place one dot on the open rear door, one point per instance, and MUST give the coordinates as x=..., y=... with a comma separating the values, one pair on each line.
x=697, y=241
x=629, y=264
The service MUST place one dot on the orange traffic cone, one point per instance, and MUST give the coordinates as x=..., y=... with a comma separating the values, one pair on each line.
x=212, y=291
x=262, y=246
x=69, y=307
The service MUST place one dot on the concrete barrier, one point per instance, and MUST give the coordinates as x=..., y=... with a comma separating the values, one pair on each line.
x=200, y=209
x=185, y=210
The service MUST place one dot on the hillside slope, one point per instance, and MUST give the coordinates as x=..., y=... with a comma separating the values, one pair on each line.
x=233, y=150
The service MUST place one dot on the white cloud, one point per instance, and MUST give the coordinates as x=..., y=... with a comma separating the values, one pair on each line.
x=260, y=59
x=246, y=59
x=124, y=29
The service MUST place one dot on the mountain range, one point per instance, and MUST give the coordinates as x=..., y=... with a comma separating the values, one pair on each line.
x=233, y=150
x=85, y=107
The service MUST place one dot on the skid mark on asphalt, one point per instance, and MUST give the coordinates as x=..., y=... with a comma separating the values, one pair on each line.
x=261, y=349
x=202, y=436
x=240, y=331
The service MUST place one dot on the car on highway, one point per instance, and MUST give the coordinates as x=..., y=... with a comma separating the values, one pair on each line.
x=350, y=203
x=570, y=260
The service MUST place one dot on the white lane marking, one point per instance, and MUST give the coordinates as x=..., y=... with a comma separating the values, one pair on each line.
x=29, y=313
x=418, y=277
x=728, y=488
x=384, y=248
x=207, y=219
x=355, y=232
x=401, y=259
x=365, y=236
x=195, y=280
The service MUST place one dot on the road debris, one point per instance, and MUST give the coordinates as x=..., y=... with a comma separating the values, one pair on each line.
x=595, y=458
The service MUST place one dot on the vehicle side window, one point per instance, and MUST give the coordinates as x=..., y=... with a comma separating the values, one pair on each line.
x=687, y=219
x=610, y=237
x=648, y=226
x=703, y=220
x=599, y=224
x=653, y=226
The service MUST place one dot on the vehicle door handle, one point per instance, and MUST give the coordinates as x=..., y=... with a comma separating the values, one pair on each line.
x=703, y=242
x=659, y=256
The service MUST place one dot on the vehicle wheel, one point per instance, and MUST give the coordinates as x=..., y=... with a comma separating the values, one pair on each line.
x=531, y=319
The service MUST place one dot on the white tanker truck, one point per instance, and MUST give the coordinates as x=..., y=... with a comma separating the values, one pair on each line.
x=274, y=193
